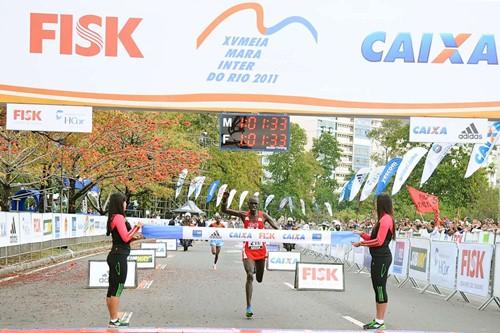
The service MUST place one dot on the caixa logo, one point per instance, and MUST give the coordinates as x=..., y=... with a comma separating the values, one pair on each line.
x=377, y=47
x=433, y=130
x=96, y=34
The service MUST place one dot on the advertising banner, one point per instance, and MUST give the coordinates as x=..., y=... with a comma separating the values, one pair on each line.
x=268, y=200
x=448, y=130
x=474, y=265
x=260, y=235
x=390, y=170
x=144, y=258
x=49, y=118
x=99, y=274
x=496, y=275
x=358, y=180
x=319, y=276
x=222, y=189
x=4, y=230
x=159, y=247
x=419, y=258
x=400, y=250
x=443, y=263
x=170, y=243
x=359, y=256
x=211, y=190
x=282, y=261
x=13, y=230
x=229, y=55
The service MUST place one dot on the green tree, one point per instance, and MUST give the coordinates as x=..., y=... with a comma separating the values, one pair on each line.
x=393, y=139
x=293, y=172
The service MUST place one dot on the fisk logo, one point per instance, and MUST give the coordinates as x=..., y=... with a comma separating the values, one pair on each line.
x=376, y=48
x=29, y=115
x=89, y=28
x=319, y=274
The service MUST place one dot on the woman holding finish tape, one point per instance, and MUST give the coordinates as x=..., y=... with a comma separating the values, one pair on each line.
x=378, y=242
x=122, y=234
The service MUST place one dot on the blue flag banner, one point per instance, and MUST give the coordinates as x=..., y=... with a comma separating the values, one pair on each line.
x=211, y=190
x=348, y=188
x=389, y=171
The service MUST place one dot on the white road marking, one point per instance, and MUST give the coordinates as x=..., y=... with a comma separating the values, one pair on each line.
x=289, y=285
x=354, y=321
x=126, y=317
x=47, y=267
x=149, y=284
x=233, y=251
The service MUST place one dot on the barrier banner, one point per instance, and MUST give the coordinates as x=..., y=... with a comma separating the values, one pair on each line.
x=37, y=227
x=443, y=262
x=26, y=235
x=419, y=259
x=99, y=274
x=496, y=275
x=4, y=238
x=170, y=243
x=144, y=258
x=282, y=261
x=474, y=265
x=13, y=230
x=400, y=250
x=159, y=247
x=319, y=276
x=359, y=256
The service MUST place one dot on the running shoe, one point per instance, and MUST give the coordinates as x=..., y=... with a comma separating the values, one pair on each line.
x=249, y=312
x=215, y=267
x=373, y=325
x=117, y=323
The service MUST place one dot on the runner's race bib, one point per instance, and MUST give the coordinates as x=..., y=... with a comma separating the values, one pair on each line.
x=256, y=245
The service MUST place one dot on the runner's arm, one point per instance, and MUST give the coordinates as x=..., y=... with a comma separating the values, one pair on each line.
x=271, y=221
x=385, y=226
x=119, y=223
x=224, y=209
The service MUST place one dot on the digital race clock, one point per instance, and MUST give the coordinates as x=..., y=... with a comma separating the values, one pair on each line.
x=254, y=132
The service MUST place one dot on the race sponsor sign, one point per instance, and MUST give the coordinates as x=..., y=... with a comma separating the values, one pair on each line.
x=171, y=243
x=443, y=262
x=265, y=235
x=319, y=276
x=448, y=130
x=49, y=118
x=400, y=249
x=99, y=274
x=282, y=261
x=474, y=265
x=419, y=258
x=144, y=258
x=496, y=276
x=159, y=247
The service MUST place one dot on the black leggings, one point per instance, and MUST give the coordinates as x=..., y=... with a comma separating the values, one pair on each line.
x=379, y=272
x=117, y=264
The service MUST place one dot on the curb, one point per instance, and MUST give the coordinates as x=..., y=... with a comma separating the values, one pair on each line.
x=17, y=268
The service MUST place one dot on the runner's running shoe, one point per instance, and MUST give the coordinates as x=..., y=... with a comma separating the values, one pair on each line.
x=249, y=312
x=117, y=323
x=373, y=325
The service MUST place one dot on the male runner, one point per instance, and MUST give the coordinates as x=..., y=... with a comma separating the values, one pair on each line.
x=254, y=253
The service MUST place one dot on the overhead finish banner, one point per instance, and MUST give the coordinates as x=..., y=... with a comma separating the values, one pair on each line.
x=230, y=54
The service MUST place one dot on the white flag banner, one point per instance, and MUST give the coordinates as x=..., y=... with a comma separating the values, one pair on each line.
x=371, y=182
x=268, y=200
x=303, y=207
x=408, y=163
x=359, y=178
x=256, y=194
x=243, y=195
x=290, y=204
x=481, y=151
x=180, y=182
x=329, y=208
x=231, y=197
x=283, y=203
x=192, y=186
x=436, y=154
x=198, y=186
x=222, y=189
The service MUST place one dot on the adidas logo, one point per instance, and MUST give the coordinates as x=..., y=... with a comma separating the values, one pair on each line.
x=215, y=235
x=470, y=132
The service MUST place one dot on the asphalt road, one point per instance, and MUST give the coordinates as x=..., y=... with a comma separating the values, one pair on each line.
x=189, y=293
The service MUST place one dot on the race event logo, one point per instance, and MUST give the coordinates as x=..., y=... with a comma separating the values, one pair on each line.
x=242, y=53
x=408, y=48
